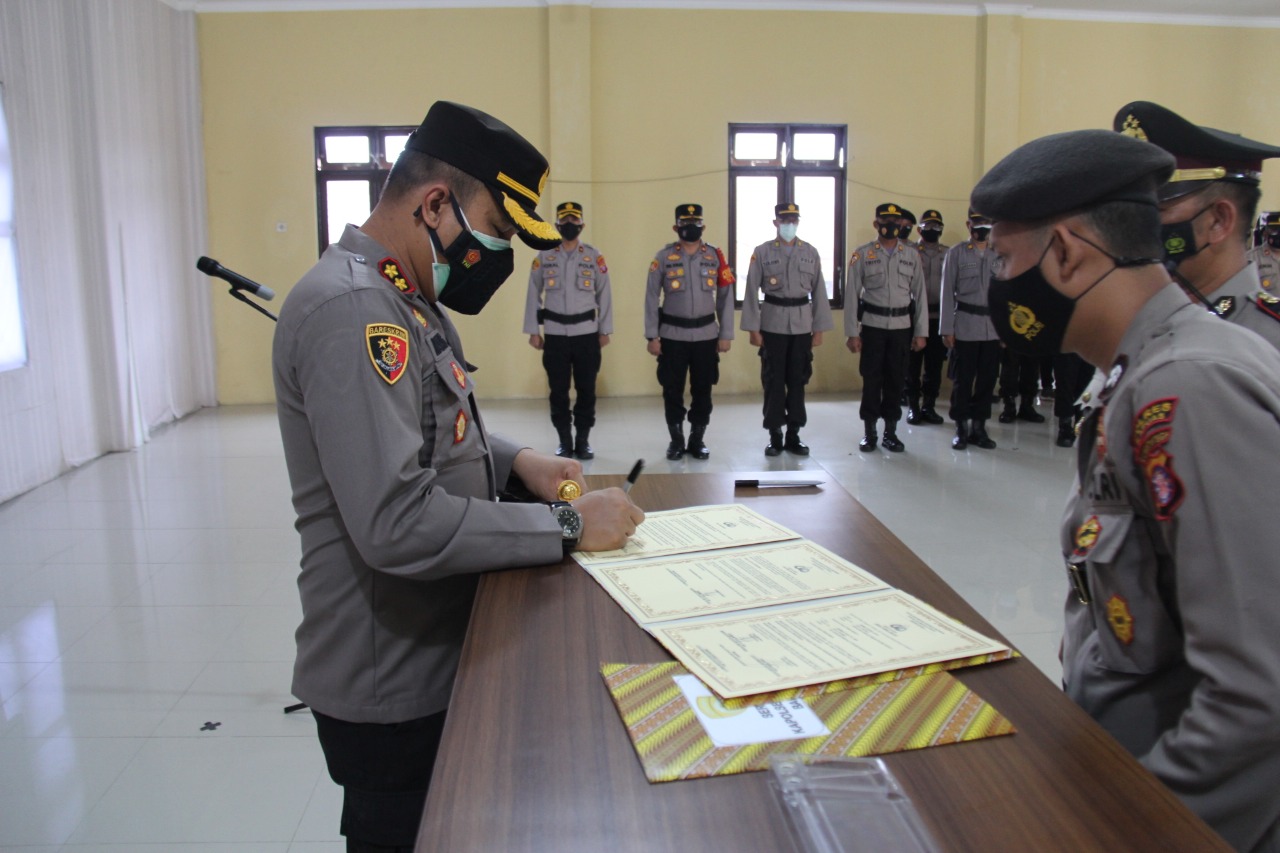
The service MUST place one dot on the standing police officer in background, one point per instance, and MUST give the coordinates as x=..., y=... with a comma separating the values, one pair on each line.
x=787, y=326
x=394, y=476
x=1266, y=255
x=569, y=297
x=965, y=326
x=884, y=318
x=1207, y=211
x=922, y=393
x=688, y=321
x=1171, y=622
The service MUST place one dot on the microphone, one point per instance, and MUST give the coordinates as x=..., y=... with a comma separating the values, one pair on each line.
x=209, y=266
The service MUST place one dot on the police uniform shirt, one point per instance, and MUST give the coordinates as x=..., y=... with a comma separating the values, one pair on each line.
x=1241, y=301
x=966, y=274
x=1174, y=652
x=1267, y=262
x=570, y=283
x=787, y=272
x=394, y=483
x=931, y=255
x=690, y=286
x=886, y=280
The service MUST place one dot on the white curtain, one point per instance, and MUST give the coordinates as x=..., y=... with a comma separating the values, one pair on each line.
x=103, y=107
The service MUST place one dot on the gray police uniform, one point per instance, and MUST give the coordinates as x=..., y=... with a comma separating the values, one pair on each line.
x=935, y=351
x=1267, y=262
x=1171, y=625
x=1240, y=301
x=966, y=272
x=795, y=306
x=570, y=298
x=688, y=303
x=394, y=483
x=886, y=308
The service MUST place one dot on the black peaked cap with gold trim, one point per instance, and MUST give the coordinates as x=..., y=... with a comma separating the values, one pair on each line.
x=931, y=216
x=688, y=211
x=787, y=208
x=1202, y=153
x=888, y=209
x=491, y=152
x=568, y=208
x=1065, y=172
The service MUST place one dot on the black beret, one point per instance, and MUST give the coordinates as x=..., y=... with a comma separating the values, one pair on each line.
x=931, y=216
x=688, y=211
x=1202, y=153
x=888, y=209
x=491, y=152
x=568, y=208
x=1068, y=171
x=785, y=209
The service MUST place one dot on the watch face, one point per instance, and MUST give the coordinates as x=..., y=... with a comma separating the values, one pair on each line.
x=570, y=522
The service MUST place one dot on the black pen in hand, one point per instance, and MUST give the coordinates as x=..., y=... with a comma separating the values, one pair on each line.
x=634, y=475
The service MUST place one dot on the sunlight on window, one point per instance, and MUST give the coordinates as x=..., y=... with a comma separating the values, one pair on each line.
x=347, y=149
x=13, y=344
x=756, y=196
x=816, y=198
x=348, y=203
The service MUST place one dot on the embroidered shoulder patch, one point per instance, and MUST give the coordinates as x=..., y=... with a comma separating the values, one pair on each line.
x=653, y=267
x=1120, y=619
x=389, y=268
x=726, y=273
x=854, y=257
x=388, y=346
x=601, y=265
x=537, y=262
x=1152, y=415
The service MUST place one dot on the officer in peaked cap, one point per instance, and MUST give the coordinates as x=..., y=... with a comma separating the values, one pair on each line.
x=1168, y=642
x=394, y=476
x=884, y=319
x=924, y=366
x=571, y=300
x=787, y=271
x=1207, y=209
x=688, y=321
x=1266, y=255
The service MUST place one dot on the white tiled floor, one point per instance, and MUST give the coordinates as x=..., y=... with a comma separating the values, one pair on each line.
x=148, y=594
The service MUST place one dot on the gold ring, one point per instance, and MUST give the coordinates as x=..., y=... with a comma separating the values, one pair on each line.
x=569, y=490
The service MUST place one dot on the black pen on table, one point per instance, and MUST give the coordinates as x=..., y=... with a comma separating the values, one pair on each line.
x=633, y=476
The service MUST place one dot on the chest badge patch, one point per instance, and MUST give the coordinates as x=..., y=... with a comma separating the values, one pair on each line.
x=459, y=375
x=389, y=268
x=460, y=427
x=1087, y=536
x=388, y=350
x=675, y=284
x=1120, y=619
x=673, y=257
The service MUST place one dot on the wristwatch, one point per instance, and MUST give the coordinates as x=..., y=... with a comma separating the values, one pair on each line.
x=570, y=521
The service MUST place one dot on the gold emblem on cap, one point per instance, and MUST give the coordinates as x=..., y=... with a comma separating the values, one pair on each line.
x=691, y=209
x=1132, y=128
x=568, y=490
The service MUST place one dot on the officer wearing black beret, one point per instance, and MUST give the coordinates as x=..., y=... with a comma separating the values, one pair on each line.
x=394, y=476
x=1207, y=210
x=1170, y=624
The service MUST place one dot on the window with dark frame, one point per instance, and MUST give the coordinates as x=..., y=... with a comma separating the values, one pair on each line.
x=803, y=163
x=352, y=164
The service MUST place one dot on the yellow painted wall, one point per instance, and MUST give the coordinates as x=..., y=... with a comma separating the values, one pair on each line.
x=929, y=101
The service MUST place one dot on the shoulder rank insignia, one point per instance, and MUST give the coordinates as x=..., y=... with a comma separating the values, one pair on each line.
x=459, y=375
x=1269, y=304
x=1225, y=306
x=389, y=268
x=460, y=427
x=601, y=265
x=388, y=350
x=1120, y=619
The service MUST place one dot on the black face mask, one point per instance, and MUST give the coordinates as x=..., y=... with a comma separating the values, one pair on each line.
x=476, y=270
x=1179, y=238
x=980, y=233
x=569, y=230
x=904, y=232
x=888, y=230
x=690, y=233
x=930, y=235
x=1273, y=239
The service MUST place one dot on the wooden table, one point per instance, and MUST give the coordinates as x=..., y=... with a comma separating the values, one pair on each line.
x=535, y=756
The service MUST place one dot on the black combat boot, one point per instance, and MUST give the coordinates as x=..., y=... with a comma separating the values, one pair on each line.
x=676, y=448
x=1066, y=432
x=890, y=441
x=1010, y=413
x=793, y=444
x=869, y=437
x=566, y=442
x=582, y=447
x=697, y=448
x=928, y=414
x=1027, y=412
x=961, y=441
x=913, y=413
x=978, y=436
x=774, y=447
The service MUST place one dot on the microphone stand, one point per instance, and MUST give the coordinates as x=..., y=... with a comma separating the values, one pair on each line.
x=236, y=293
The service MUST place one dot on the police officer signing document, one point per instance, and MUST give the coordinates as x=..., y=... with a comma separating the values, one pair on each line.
x=569, y=298
x=394, y=476
x=1172, y=616
x=787, y=326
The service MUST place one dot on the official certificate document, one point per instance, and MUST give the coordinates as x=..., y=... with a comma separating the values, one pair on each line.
x=744, y=653
x=685, y=531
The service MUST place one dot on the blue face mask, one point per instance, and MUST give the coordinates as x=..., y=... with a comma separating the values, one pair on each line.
x=477, y=266
x=787, y=231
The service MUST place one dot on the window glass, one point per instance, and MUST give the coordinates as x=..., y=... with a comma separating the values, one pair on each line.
x=816, y=198
x=756, y=196
x=346, y=149
x=348, y=203
x=13, y=344
x=755, y=146
x=814, y=146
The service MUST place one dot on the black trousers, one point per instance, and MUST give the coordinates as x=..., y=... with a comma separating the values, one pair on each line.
x=1072, y=375
x=384, y=771
x=786, y=364
x=977, y=363
x=700, y=362
x=930, y=359
x=577, y=356
x=883, y=367
x=1019, y=376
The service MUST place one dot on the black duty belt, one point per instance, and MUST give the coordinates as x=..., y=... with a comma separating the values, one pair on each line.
x=786, y=301
x=969, y=308
x=886, y=312
x=565, y=319
x=686, y=322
